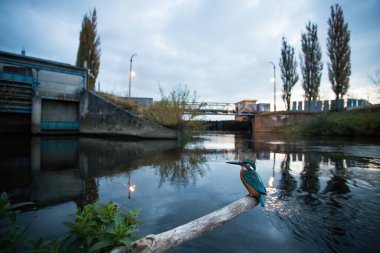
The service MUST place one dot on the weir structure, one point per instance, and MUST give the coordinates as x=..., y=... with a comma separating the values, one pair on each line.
x=46, y=97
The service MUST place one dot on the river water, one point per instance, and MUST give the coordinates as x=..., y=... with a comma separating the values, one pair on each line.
x=323, y=195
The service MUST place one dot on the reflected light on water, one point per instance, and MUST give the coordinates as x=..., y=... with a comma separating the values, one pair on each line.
x=132, y=188
x=273, y=203
x=270, y=182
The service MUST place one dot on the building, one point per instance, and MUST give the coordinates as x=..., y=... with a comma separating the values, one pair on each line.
x=39, y=94
x=245, y=109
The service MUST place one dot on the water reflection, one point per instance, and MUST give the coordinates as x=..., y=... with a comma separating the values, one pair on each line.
x=182, y=167
x=310, y=179
x=61, y=169
x=131, y=186
x=338, y=181
x=287, y=183
x=323, y=195
x=329, y=211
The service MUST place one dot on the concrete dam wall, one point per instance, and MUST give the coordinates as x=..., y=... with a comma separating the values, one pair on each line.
x=100, y=116
x=269, y=122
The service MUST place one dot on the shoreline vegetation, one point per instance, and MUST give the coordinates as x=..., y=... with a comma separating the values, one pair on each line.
x=363, y=122
x=94, y=228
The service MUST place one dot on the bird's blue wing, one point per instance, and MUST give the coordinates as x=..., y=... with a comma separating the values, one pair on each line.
x=254, y=180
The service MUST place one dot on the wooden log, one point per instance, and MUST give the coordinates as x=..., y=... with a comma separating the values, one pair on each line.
x=189, y=231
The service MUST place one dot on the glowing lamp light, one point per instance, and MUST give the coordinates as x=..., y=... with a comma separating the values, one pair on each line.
x=133, y=73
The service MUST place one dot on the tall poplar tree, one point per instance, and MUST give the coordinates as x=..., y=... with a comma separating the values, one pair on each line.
x=339, y=52
x=289, y=75
x=89, y=48
x=311, y=65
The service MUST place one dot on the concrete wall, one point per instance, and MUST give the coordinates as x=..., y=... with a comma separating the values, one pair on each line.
x=228, y=125
x=100, y=116
x=268, y=122
x=36, y=115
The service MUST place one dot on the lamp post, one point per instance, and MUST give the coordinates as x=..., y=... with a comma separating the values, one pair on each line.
x=130, y=74
x=274, y=85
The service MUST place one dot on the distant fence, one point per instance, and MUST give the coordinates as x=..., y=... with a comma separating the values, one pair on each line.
x=329, y=105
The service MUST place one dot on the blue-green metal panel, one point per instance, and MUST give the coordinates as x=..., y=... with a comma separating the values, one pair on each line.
x=16, y=77
x=60, y=144
x=60, y=125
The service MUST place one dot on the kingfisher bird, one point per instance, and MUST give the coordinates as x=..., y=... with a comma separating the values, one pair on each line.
x=252, y=180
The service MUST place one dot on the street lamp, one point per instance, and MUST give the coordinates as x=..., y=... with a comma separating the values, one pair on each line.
x=274, y=85
x=130, y=75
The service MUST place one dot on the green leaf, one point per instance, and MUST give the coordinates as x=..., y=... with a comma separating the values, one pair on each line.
x=126, y=241
x=74, y=245
x=100, y=245
x=69, y=224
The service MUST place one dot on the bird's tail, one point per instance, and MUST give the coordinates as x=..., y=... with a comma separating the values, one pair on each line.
x=262, y=200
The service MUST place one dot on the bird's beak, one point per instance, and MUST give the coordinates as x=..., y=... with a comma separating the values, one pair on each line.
x=236, y=163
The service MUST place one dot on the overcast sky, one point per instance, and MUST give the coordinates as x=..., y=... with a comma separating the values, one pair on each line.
x=221, y=49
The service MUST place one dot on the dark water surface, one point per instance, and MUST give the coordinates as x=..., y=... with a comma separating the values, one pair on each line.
x=323, y=195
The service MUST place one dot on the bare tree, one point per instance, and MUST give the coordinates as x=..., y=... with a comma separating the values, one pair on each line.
x=375, y=79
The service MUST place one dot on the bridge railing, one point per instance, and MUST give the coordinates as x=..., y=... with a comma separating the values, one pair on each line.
x=213, y=108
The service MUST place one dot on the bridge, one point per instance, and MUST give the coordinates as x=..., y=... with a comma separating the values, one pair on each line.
x=213, y=108
x=244, y=107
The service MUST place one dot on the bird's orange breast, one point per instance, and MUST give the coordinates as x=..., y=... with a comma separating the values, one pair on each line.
x=251, y=191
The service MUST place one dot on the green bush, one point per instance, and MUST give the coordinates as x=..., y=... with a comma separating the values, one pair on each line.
x=178, y=110
x=11, y=233
x=99, y=228
x=96, y=228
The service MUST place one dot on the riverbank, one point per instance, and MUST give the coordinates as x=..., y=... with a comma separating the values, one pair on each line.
x=359, y=122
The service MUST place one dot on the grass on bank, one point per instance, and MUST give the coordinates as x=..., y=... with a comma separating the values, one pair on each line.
x=121, y=101
x=360, y=122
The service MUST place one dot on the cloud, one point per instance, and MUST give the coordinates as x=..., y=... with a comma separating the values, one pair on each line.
x=221, y=49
